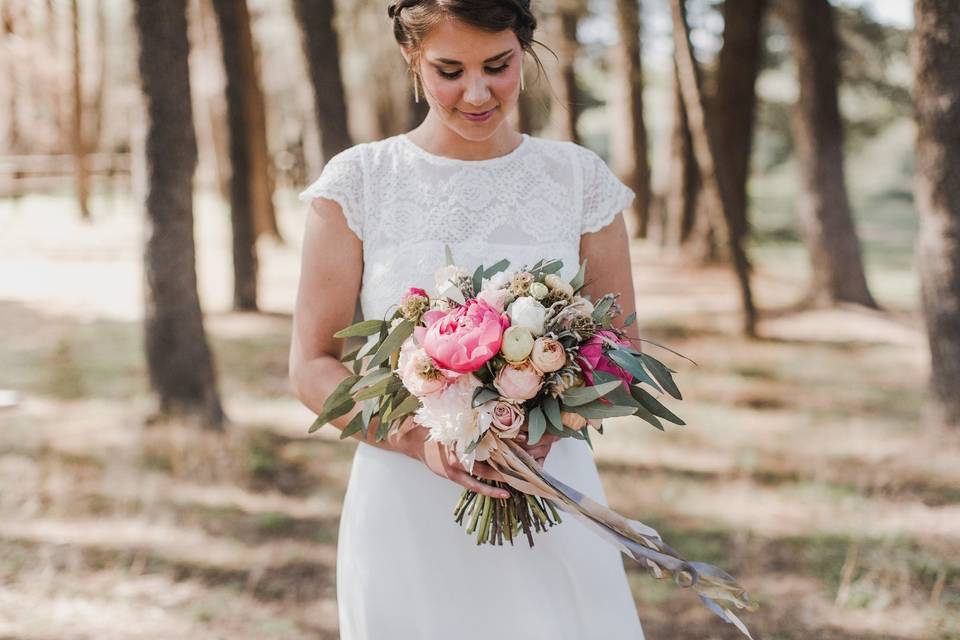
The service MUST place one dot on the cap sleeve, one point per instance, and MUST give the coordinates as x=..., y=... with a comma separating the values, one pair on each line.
x=342, y=181
x=604, y=196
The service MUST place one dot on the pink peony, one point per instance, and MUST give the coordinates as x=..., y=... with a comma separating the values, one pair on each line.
x=462, y=340
x=518, y=382
x=592, y=357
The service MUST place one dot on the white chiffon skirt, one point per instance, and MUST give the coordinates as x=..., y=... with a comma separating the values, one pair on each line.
x=407, y=571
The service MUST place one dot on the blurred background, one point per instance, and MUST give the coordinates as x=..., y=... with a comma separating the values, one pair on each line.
x=793, y=234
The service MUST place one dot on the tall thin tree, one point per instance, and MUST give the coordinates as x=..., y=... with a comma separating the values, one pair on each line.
x=735, y=103
x=178, y=357
x=567, y=105
x=78, y=134
x=826, y=220
x=628, y=144
x=936, y=40
x=716, y=181
x=251, y=188
x=322, y=50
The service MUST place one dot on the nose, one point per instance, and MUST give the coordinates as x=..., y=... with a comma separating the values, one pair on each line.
x=477, y=92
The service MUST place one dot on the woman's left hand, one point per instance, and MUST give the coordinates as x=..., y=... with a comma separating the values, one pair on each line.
x=540, y=450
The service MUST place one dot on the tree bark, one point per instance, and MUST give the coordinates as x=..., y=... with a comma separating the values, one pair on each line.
x=322, y=50
x=251, y=203
x=683, y=187
x=629, y=148
x=716, y=181
x=827, y=224
x=566, y=105
x=178, y=358
x=735, y=102
x=936, y=40
x=77, y=137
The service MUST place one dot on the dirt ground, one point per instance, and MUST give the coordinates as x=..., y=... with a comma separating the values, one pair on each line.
x=807, y=467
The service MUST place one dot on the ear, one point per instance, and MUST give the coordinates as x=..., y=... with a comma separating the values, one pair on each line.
x=407, y=55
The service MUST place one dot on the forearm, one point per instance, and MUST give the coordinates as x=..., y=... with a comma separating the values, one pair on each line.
x=316, y=379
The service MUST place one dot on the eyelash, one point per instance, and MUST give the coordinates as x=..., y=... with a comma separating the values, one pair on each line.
x=456, y=74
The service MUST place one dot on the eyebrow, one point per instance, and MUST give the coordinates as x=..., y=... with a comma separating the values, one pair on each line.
x=496, y=57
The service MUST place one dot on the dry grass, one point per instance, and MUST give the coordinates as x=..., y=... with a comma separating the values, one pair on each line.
x=806, y=467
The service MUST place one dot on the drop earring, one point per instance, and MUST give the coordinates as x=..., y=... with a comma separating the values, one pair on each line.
x=416, y=89
x=521, y=73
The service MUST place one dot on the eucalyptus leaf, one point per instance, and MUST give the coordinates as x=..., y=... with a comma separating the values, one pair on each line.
x=496, y=268
x=372, y=377
x=578, y=280
x=654, y=406
x=369, y=408
x=662, y=374
x=536, y=425
x=365, y=328
x=551, y=409
x=352, y=355
x=355, y=424
x=603, y=306
x=375, y=390
x=340, y=394
x=449, y=254
x=393, y=343
x=582, y=395
x=477, y=280
x=410, y=404
x=630, y=319
x=482, y=395
x=632, y=365
x=600, y=410
x=332, y=413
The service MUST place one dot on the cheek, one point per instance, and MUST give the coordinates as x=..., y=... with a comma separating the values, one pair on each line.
x=445, y=92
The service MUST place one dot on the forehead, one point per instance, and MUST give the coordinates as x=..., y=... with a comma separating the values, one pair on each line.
x=456, y=40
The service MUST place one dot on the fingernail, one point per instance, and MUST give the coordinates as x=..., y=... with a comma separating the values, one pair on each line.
x=504, y=494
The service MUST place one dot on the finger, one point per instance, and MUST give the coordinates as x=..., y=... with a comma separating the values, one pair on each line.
x=484, y=470
x=539, y=451
x=465, y=479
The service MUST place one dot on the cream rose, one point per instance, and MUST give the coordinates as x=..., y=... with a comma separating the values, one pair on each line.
x=559, y=284
x=548, y=355
x=539, y=290
x=518, y=382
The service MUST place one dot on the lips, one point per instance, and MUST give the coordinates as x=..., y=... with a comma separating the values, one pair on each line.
x=478, y=117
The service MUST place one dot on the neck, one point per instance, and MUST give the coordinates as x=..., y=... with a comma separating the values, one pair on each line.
x=439, y=139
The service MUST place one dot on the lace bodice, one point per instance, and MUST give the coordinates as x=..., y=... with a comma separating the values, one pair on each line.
x=405, y=204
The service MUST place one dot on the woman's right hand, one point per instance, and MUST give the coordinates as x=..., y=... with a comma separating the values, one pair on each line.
x=444, y=463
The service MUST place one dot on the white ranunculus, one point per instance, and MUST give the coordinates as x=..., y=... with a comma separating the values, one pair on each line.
x=517, y=344
x=527, y=312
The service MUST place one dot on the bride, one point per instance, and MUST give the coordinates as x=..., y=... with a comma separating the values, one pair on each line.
x=381, y=214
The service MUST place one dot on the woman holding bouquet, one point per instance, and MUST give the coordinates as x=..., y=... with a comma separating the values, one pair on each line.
x=382, y=214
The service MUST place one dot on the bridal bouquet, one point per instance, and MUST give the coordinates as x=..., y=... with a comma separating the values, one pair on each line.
x=496, y=352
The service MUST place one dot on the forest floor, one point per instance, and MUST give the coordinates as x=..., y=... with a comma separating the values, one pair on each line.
x=806, y=469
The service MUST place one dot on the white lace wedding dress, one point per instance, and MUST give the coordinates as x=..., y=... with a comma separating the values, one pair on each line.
x=405, y=569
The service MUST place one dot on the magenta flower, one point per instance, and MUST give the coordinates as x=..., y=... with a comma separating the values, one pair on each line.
x=462, y=340
x=593, y=359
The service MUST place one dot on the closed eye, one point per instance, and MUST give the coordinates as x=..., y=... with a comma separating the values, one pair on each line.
x=456, y=74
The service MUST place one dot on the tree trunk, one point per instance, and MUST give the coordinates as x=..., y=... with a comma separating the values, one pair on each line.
x=735, y=102
x=322, y=50
x=716, y=182
x=566, y=106
x=937, y=96
x=77, y=139
x=629, y=148
x=683, y=187
x=826, y=221
x=178, y=358
x=250, y=191
x=11, y=137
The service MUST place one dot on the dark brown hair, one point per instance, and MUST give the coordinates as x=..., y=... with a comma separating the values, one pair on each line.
x=414, y=19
